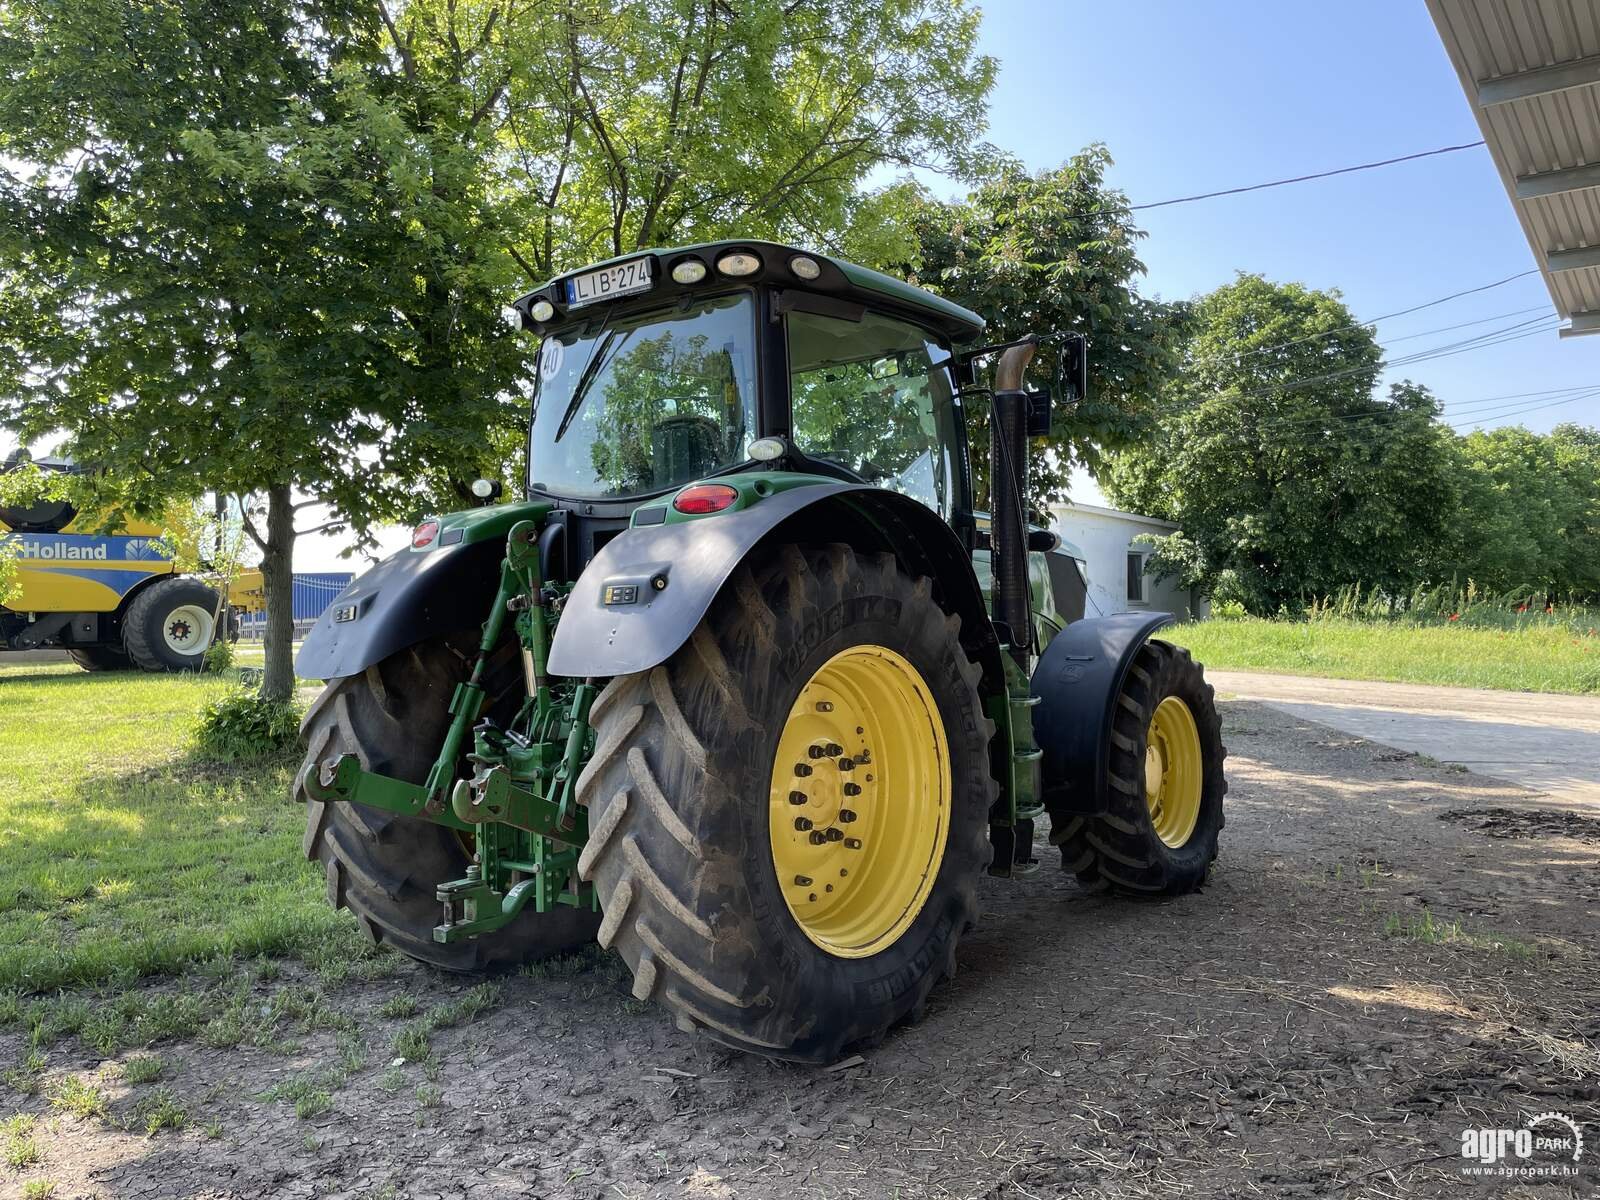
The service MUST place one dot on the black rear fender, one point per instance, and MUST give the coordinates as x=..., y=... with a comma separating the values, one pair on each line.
x=661, y=579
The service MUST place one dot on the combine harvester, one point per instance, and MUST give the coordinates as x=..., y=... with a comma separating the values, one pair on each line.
x=113, y=602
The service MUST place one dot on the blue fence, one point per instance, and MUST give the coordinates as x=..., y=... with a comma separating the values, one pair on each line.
x=312, y=595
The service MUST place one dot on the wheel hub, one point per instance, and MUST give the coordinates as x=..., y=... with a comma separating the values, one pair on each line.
x=187, y=630
x=1173, y=775
x=860, y=801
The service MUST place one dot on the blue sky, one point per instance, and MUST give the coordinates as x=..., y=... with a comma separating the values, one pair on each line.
x=1195, y=97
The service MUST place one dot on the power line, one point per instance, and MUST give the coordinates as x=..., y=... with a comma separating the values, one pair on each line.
x=1492, y=337
x=1523, y=410
x=1256, y=187
x=1516, y=312
x=1311, y=337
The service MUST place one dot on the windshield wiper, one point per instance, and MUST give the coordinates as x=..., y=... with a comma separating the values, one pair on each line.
x=598, y=360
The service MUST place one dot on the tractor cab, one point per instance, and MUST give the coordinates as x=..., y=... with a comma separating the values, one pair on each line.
x=669, y=367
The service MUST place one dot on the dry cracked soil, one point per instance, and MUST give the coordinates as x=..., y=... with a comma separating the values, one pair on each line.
x=1389, y=952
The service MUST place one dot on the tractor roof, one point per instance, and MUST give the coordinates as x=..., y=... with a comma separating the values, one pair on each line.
x=844, y=280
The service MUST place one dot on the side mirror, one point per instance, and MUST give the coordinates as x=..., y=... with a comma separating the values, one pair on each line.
x=1072, y=369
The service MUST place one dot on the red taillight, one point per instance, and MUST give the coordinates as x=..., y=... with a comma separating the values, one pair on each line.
x=424, y=534
x=704, y=498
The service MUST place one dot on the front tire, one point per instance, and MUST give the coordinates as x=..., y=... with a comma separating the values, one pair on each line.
x=1165, y=785
x=730, y=912
x=171, y=624
x=384, y=867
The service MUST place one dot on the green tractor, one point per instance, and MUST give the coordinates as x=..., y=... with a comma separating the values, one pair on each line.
x=744, y=688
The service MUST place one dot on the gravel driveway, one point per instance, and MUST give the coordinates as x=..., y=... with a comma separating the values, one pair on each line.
x=1389, y=951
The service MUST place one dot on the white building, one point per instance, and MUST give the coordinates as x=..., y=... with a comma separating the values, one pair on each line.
x=1116, y=562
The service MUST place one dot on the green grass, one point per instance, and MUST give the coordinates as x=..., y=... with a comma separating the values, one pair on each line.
x=18, y=1146
x=1538, y=658
x=77, y=1098
x=122, y=855
x=143, y=1068
x=1450, y=933
x=157, y=1111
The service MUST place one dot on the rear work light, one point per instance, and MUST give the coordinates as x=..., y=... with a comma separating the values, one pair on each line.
x=423, y=535
x=704, y=498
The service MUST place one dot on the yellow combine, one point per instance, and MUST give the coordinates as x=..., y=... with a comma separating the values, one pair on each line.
x=112, y=601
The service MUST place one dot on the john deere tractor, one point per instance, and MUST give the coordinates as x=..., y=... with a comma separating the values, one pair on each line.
x=744, y=688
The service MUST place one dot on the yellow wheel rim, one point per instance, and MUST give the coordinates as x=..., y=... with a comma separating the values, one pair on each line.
x=860, y=804
x=1172, y=772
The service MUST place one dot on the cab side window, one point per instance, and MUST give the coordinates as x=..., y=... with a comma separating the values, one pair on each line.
x=874, y=396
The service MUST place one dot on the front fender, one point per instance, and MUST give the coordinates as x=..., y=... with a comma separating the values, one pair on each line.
x=1077, y=681
x=415, y=594
x=642, y=596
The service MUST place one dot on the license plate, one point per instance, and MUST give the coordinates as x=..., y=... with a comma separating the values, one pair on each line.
x=619, y=279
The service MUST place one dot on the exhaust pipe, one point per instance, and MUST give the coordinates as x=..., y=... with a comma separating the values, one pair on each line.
x=1008, y=489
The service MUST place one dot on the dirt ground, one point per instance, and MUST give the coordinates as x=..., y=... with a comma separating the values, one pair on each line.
x=1390, y=951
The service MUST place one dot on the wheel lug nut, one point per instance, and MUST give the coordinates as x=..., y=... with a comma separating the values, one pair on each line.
x=802, y=823
x=852, y=789
x=846, y=816
x=817, y=749
x=802, y=769
x=833, y=750
x=802, y=881
x=864, y=757
x=834, y=835
x=824, y=706
x=852, y=843
x=818, y=838
x=847, y=764
x=798, y=798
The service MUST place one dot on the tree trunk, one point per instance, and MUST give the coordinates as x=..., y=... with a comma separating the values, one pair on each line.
x=277, y=569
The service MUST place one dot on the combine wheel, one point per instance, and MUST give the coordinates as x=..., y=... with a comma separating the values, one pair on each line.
x=1164, y=784
x=384, y=867
x=788, y=817
x=101, y=658
x=170, y=625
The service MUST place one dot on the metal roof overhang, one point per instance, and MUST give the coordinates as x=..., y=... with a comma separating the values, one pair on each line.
x=1531, y=70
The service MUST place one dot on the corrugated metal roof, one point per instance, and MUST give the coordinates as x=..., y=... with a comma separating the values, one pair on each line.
x=1531, y=71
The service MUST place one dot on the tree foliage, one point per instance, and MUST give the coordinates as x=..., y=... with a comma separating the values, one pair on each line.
x=1528, y=516
x=263, y=248
x=1290, y=477
x=664, y=121
x=1052, y=253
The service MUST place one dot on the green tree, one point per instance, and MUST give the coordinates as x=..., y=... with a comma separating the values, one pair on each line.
x=665, y=121
x=1529, y=515
x=262, y=249
x=1289, y=476
x=1052, y=253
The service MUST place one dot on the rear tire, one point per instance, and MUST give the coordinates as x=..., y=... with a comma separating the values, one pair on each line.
x=384, y=867
x=170, y=625
x=689, y=818
x=1123, y=849
x=101, y=658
